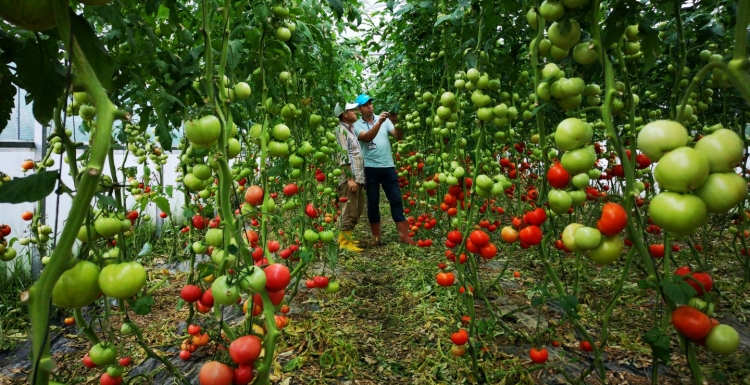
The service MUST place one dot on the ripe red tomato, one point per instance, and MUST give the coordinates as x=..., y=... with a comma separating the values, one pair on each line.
x=87, y=362
x=613, y=219
x=586, y=346
x=273, y=246
x=254, y=195
x=4, y=230
x=207, y=298
x=162, y=215
x=531, y=235
x=488, y=251
x=194, y=330
x=199, y=222
x=191, y=293
x=558, y=177
x=691, y=322
x=539, y=356
x=290, y=189
x=185, y=355
x=310, y=284
x=460, y=337
x=245, y=350
x=106, y=379
x=536, y=217
x=479, y=238
x=310, y=211
x=242, y=375
x=656, y=250
x=445, y=279
x=215, y=373
x=27, y=215
x=321, y=282
x=702, y=278
x=277, y=277
x=276, y=297
x=125, y=361
x=455, y=236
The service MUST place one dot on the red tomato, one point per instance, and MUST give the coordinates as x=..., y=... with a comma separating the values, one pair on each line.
x=106, y=379
x=586, y=346
x=489, y=251
x=191, y=293
x=125, y=361
x=539, y=356
x=479, y=238
x=656, y=250
x=194, y=330
x=215, y=373
x=455, y=236
x=254, y=195
x=273, y=246
x=702, y=278
x=199, y=222
x=245, y=350
x=242, y=375
x=87, y=362
x=460, y=337
x=277, y=277
x=290, y=189
x=531, y=235
x=536, y=217
x=277, y=297
x=162, y=214
x=691, y=322
x=613, y=219
x=445, y=279
x=558, y=177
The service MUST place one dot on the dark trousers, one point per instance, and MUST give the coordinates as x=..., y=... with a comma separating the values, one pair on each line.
x=386, y=177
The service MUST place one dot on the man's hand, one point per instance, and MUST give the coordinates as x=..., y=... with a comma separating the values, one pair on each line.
x=383, y=117
x=352, y=185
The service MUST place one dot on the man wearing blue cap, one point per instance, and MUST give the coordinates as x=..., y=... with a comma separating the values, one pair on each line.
x=379, y=168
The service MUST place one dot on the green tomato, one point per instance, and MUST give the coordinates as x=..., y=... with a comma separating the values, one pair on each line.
x=311, y=236
x=559, y=201
x=579, y=161
x=572, y=133
x=564, y=36
x=723, y=339
x=681, y=214
x=107, y=227
x=723, y=148
x=722, y=191
x=223, y=293
x=681, y=170
x=326, y=236
x=579, y=196
x=333, y=287
x=659, y=137
x=204, y=132
x=77, y=286
x=253, y=279
x=122, y=280
x=278, y=149
x=568, y=236
x=126, y=329
x=8, y=254
x=587, y=238
x=199, y=247
x=701, y=305
x=103, y=354
x=608, y=251
x=581, y=180
x=215, y=237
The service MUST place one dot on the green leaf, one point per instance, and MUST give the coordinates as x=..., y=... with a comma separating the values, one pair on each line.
x=391, y=5
x=42, y=76
x=145, y=249
x=651, y=46
x=623, y=15
x=163, y=205
x=294, y=364
x=29, y=189
x=169, y=190
x=180, y=304
x=233, y=249
x=718, y=376
x=7, y=97
x=442, y=19
x=677, y=289
x=164, y=136
x=106, y=200
x=569, y=303
x=102, y=63
x=659, y=343
x=142, y=306
x=338, y=7
x=646, y=284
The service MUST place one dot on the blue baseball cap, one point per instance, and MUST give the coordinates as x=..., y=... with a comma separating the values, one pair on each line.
x=362, y=99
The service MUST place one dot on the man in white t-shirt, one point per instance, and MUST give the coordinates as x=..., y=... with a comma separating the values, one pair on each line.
x=380, y=170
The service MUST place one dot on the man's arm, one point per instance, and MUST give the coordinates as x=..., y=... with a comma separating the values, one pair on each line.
x=369, y=136
x=397, y=132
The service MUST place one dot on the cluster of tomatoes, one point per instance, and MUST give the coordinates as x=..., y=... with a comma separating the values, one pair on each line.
x=105, y=355
x=7, y=253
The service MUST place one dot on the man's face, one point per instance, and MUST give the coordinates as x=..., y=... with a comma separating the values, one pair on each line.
x=366, y=109
x=350, y=116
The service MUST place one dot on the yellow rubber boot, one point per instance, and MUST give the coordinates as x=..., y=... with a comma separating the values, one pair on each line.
x=345, y=242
